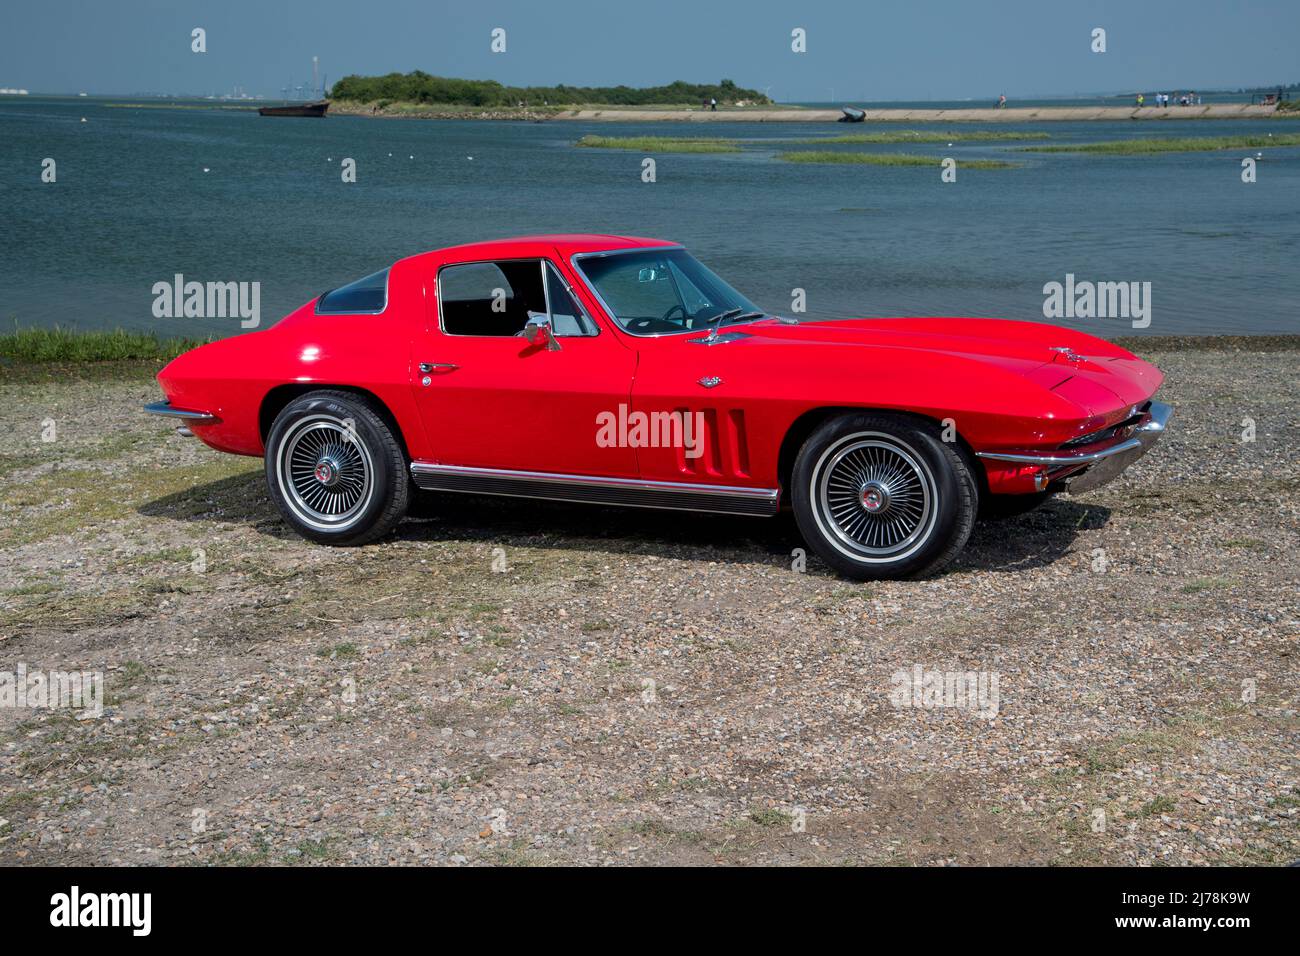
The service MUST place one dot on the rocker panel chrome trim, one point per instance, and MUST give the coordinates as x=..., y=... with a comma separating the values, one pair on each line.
x=628, y=492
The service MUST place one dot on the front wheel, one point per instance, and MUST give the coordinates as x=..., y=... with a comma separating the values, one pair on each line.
x=881, y=496
x=335, y=469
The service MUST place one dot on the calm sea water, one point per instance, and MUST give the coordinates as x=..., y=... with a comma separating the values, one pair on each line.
x=133, y=206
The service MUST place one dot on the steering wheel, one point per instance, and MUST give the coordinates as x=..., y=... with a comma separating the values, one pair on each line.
x=671, y=310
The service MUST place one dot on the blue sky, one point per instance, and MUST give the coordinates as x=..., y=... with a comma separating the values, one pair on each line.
x=862, y=49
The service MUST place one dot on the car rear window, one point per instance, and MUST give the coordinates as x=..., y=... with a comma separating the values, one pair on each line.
x=365, y=295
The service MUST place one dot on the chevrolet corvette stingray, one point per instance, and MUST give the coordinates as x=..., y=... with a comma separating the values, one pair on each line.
x=622, y=371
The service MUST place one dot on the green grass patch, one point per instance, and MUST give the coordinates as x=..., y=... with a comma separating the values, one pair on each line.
x=660, y=144
x=58, y=344
x=314, y=850
x=1204, y=584
x=927, y=136
x=1198, y=144
x=1250, y=544
x=1157, y=807
x=770, y=818
x=76, y=500
x=886, y=159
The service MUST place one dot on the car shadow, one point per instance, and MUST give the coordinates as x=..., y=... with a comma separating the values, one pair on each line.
x=1014, y=544
x=1039, y=538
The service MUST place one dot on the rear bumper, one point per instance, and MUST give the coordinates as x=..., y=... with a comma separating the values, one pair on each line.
x=171, y=411
x=1089, y=467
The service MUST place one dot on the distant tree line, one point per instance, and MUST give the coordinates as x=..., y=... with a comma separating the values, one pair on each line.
x=1284, y=87
x=420, y=87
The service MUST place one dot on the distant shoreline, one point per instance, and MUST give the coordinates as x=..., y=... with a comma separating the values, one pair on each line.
x=58, y=346
x=795, y=114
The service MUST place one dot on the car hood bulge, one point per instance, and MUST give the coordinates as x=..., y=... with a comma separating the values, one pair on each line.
x=1089, y=371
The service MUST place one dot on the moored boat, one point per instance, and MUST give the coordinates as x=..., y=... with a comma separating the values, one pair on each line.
x=297, y=109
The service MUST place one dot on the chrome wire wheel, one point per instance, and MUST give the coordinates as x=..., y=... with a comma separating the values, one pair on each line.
x=325, y=472
x=875, y=497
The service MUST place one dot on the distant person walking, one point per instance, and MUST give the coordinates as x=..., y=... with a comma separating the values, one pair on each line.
x=1140, y=99
x=713, y=103
x=1002, y=101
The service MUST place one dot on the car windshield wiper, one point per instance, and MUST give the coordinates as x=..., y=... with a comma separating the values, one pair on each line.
x=737, y=316
x=722, y=317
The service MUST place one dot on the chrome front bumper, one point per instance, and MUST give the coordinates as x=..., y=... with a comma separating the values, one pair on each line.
x=1087, y=468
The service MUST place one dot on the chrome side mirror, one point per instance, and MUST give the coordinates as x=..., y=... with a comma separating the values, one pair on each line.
x=538, y=332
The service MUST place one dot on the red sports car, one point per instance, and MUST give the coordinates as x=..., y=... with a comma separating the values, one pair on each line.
x=622, y=371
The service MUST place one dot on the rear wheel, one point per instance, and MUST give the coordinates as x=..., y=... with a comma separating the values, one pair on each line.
x=335, y=470
x=880, y=496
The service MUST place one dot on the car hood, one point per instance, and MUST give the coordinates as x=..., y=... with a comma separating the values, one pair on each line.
x=1095, y=374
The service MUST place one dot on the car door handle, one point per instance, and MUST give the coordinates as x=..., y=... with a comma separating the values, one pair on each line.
x=427, y=367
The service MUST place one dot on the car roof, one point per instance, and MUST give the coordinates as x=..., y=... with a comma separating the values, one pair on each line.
x=566, y=244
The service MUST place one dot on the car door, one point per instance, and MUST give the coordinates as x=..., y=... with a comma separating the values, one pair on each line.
x=719, y=402
x=698, y=404
x=491, y=399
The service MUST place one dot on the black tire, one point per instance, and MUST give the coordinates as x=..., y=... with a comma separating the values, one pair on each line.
x=335, y=469
x=998, y=507
x=856, y=469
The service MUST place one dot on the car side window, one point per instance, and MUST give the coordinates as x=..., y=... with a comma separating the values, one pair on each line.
x=369, y=294
x=568, y=317
x=490, y=298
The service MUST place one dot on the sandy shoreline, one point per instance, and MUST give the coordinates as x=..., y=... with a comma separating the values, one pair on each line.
x=796, y=115
x=1008, y=115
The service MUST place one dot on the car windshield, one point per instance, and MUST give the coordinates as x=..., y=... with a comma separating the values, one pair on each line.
x=658, y=291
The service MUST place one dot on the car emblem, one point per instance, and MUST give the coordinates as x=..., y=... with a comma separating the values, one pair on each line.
x=709, y=381
x=1070, y=354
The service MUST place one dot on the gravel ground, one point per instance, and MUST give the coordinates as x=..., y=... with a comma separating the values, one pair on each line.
x=515, y=682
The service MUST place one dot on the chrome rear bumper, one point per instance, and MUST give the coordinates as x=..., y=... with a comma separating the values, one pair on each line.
x=171, y=411
x=1086, y=468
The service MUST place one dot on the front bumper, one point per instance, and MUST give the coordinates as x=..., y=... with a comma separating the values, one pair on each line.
x=1089, y=467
